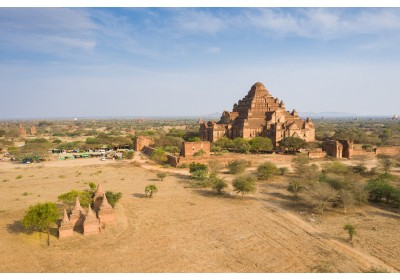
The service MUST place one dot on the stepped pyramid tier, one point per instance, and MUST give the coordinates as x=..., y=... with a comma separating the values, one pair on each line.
x=258, y=114
x=105, y=213
x=66, y=228
x=77, y=215
x=91, y=224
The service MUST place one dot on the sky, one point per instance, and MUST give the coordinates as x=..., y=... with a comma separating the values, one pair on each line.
x=93, y=62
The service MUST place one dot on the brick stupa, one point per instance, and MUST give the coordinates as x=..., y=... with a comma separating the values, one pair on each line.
x=105, y=212
x=91, y=224
x=98, y=197
x=66, y=228
x=77, y=216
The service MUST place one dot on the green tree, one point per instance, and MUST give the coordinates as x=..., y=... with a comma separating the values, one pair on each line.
x=258, y=144
x=218, y=184
x=215, y=166
x=113, y=198
x=385, y=163
x=237, y=166
x=292, y=143
x=41, y=217
x=69, y=198
x=267, y=170
x=351, y=230
x=161, y=175
x=159, y=155
x=150, y=189
x=241, y=145
x=244, y=184
x=379, y=188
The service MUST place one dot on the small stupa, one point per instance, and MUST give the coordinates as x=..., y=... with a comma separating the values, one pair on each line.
x=66, y=228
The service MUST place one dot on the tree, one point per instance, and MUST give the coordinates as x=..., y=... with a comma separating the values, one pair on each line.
x=258, y=144
x=113, y=198
x=69, y=198
x=351, y=230
x=241, y=145
x=218, y=184
x=267, y=170
x=161, y=176
x=159, y=155
x=237, y=166
x=150, y=189
x=40, y=217
x=385, y=163
x=244, y=184
x=292, y=143
x=379, y=188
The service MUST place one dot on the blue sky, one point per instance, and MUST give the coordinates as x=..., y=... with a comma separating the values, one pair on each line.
x=74, y=62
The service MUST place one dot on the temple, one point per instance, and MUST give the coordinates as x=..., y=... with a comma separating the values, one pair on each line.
x=258, y=114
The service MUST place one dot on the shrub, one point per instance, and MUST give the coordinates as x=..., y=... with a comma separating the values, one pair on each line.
x=129, y=155
x=69, y=198
x=267, y=170
x=244, y=184
x=295, y=187
x=237, y=166
x=380, y=188
x=113, y=198
x=19, y=177
x=283, y=170
x=199, y=153
x=161, y=175
x=351, y=230
x=150, y=189
x=218, y=184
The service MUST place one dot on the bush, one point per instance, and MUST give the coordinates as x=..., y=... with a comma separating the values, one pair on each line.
x=193, y=167
x=199, y=153
x=267, y=170
x=295, y=187
x=283, y=170
x=150, y=189
x=218, y=184
x=237, y=166
x=380, y=188
x=244, y=184
x=129, y=155
x=351, y=230
x=113, y=198
x=69, y=198
x=161, y=176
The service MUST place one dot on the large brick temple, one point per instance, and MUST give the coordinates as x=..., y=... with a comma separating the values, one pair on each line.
x=258, y=114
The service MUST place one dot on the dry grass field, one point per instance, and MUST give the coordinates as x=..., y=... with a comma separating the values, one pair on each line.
x=182, y=229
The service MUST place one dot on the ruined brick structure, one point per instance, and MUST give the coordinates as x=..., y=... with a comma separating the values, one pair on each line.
x=190, y=149
x=338, y=149
x=33, y=130
x=22, y=131
x=258, y=114
x=141, y=142
x=91, y=222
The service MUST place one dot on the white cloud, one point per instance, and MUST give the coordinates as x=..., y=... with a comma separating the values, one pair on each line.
x=199, y=21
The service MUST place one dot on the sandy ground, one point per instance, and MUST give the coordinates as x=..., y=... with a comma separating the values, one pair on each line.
x=182, y=229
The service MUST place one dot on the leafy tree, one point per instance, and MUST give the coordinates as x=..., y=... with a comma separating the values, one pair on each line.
x=237, y=166
x=69, y=198
x=258, y=144
x=113, y=198
x=2, y=132
x=292, y=143
x=129, y=155
x=161, y=175
x=40, y=217
x=159, y=155
x=241, y=145
x=336, y=167
x=267, y=170
x=351, y=230
x=218, y=184
x=379, y=188
x=150, y=189
x=385, y=163
x=92, y=186
x=244, y=184
x=194, y=166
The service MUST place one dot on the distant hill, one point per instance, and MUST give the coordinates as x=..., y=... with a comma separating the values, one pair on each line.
x=327, y=115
